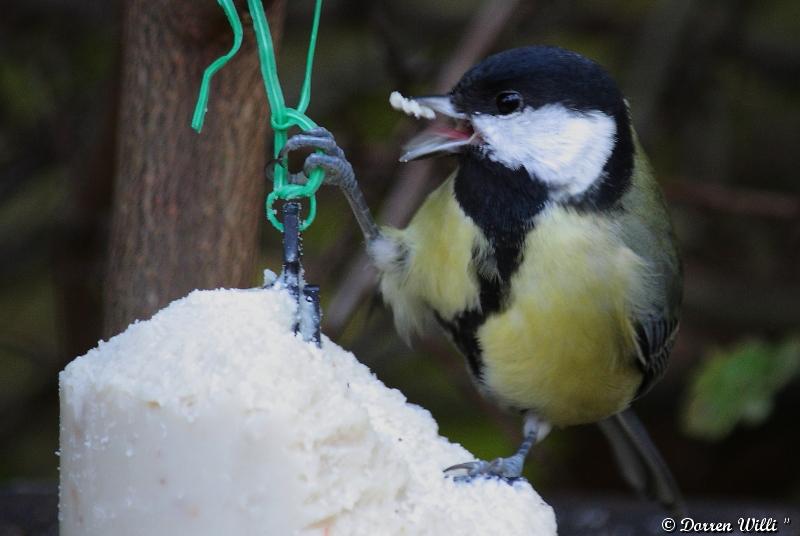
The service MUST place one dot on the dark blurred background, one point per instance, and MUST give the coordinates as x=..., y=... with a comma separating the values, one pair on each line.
x=714, y=86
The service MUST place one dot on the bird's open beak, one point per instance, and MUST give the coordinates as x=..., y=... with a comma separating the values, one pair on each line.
x=443, y=137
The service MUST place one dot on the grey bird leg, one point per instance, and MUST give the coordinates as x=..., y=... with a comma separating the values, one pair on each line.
x=338, y=172
x=507, y=468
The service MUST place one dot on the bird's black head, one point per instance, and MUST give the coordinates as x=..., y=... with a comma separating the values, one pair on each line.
x=533, y=77
x=551, y=112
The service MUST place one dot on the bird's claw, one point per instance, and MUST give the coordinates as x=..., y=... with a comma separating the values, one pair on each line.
x=331, y=159
x=508, y=469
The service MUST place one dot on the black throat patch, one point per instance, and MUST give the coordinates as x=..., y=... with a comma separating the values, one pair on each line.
x=503, y=204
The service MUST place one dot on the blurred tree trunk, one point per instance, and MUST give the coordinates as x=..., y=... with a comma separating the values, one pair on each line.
x=186, y=207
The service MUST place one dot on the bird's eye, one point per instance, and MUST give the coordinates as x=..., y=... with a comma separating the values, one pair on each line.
x=508, y=102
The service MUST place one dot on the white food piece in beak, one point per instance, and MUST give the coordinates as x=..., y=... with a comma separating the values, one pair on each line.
x=410, y=106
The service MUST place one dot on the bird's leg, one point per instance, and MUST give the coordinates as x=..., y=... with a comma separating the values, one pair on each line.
x=338, y=172
x=507, y=468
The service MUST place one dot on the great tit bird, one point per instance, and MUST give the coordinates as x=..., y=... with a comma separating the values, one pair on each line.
x=548, y=256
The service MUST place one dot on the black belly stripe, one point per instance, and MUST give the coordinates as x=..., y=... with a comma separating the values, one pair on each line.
x=502, y=203
x=463, y=329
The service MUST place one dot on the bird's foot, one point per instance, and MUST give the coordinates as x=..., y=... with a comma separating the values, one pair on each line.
x=329, y=157
x=509, y=469
x=338, y=171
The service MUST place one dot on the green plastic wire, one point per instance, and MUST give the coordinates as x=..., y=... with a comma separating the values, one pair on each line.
x=202, y=100
x=282, y=117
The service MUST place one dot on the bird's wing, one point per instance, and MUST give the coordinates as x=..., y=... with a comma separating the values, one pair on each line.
x=655, y=336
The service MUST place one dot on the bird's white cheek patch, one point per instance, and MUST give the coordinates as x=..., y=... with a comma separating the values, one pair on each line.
x=564, y=148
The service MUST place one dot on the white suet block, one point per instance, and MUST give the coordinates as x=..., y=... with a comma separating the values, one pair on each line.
x=212, y=418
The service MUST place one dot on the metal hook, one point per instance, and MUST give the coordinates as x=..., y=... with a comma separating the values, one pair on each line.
x=291, y=248
x=305, y=296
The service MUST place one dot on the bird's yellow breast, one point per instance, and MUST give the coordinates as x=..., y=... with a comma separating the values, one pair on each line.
x=438, y=274
x=564, y=345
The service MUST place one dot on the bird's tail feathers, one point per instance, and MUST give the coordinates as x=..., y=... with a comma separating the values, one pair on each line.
x=640, y=462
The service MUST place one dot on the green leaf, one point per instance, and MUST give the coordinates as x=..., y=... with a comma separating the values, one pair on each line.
x=738, y=386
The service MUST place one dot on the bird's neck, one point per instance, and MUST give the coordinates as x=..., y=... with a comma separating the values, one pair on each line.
x=502, y=202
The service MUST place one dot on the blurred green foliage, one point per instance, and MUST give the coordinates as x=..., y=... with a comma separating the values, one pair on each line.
x=738, y=386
